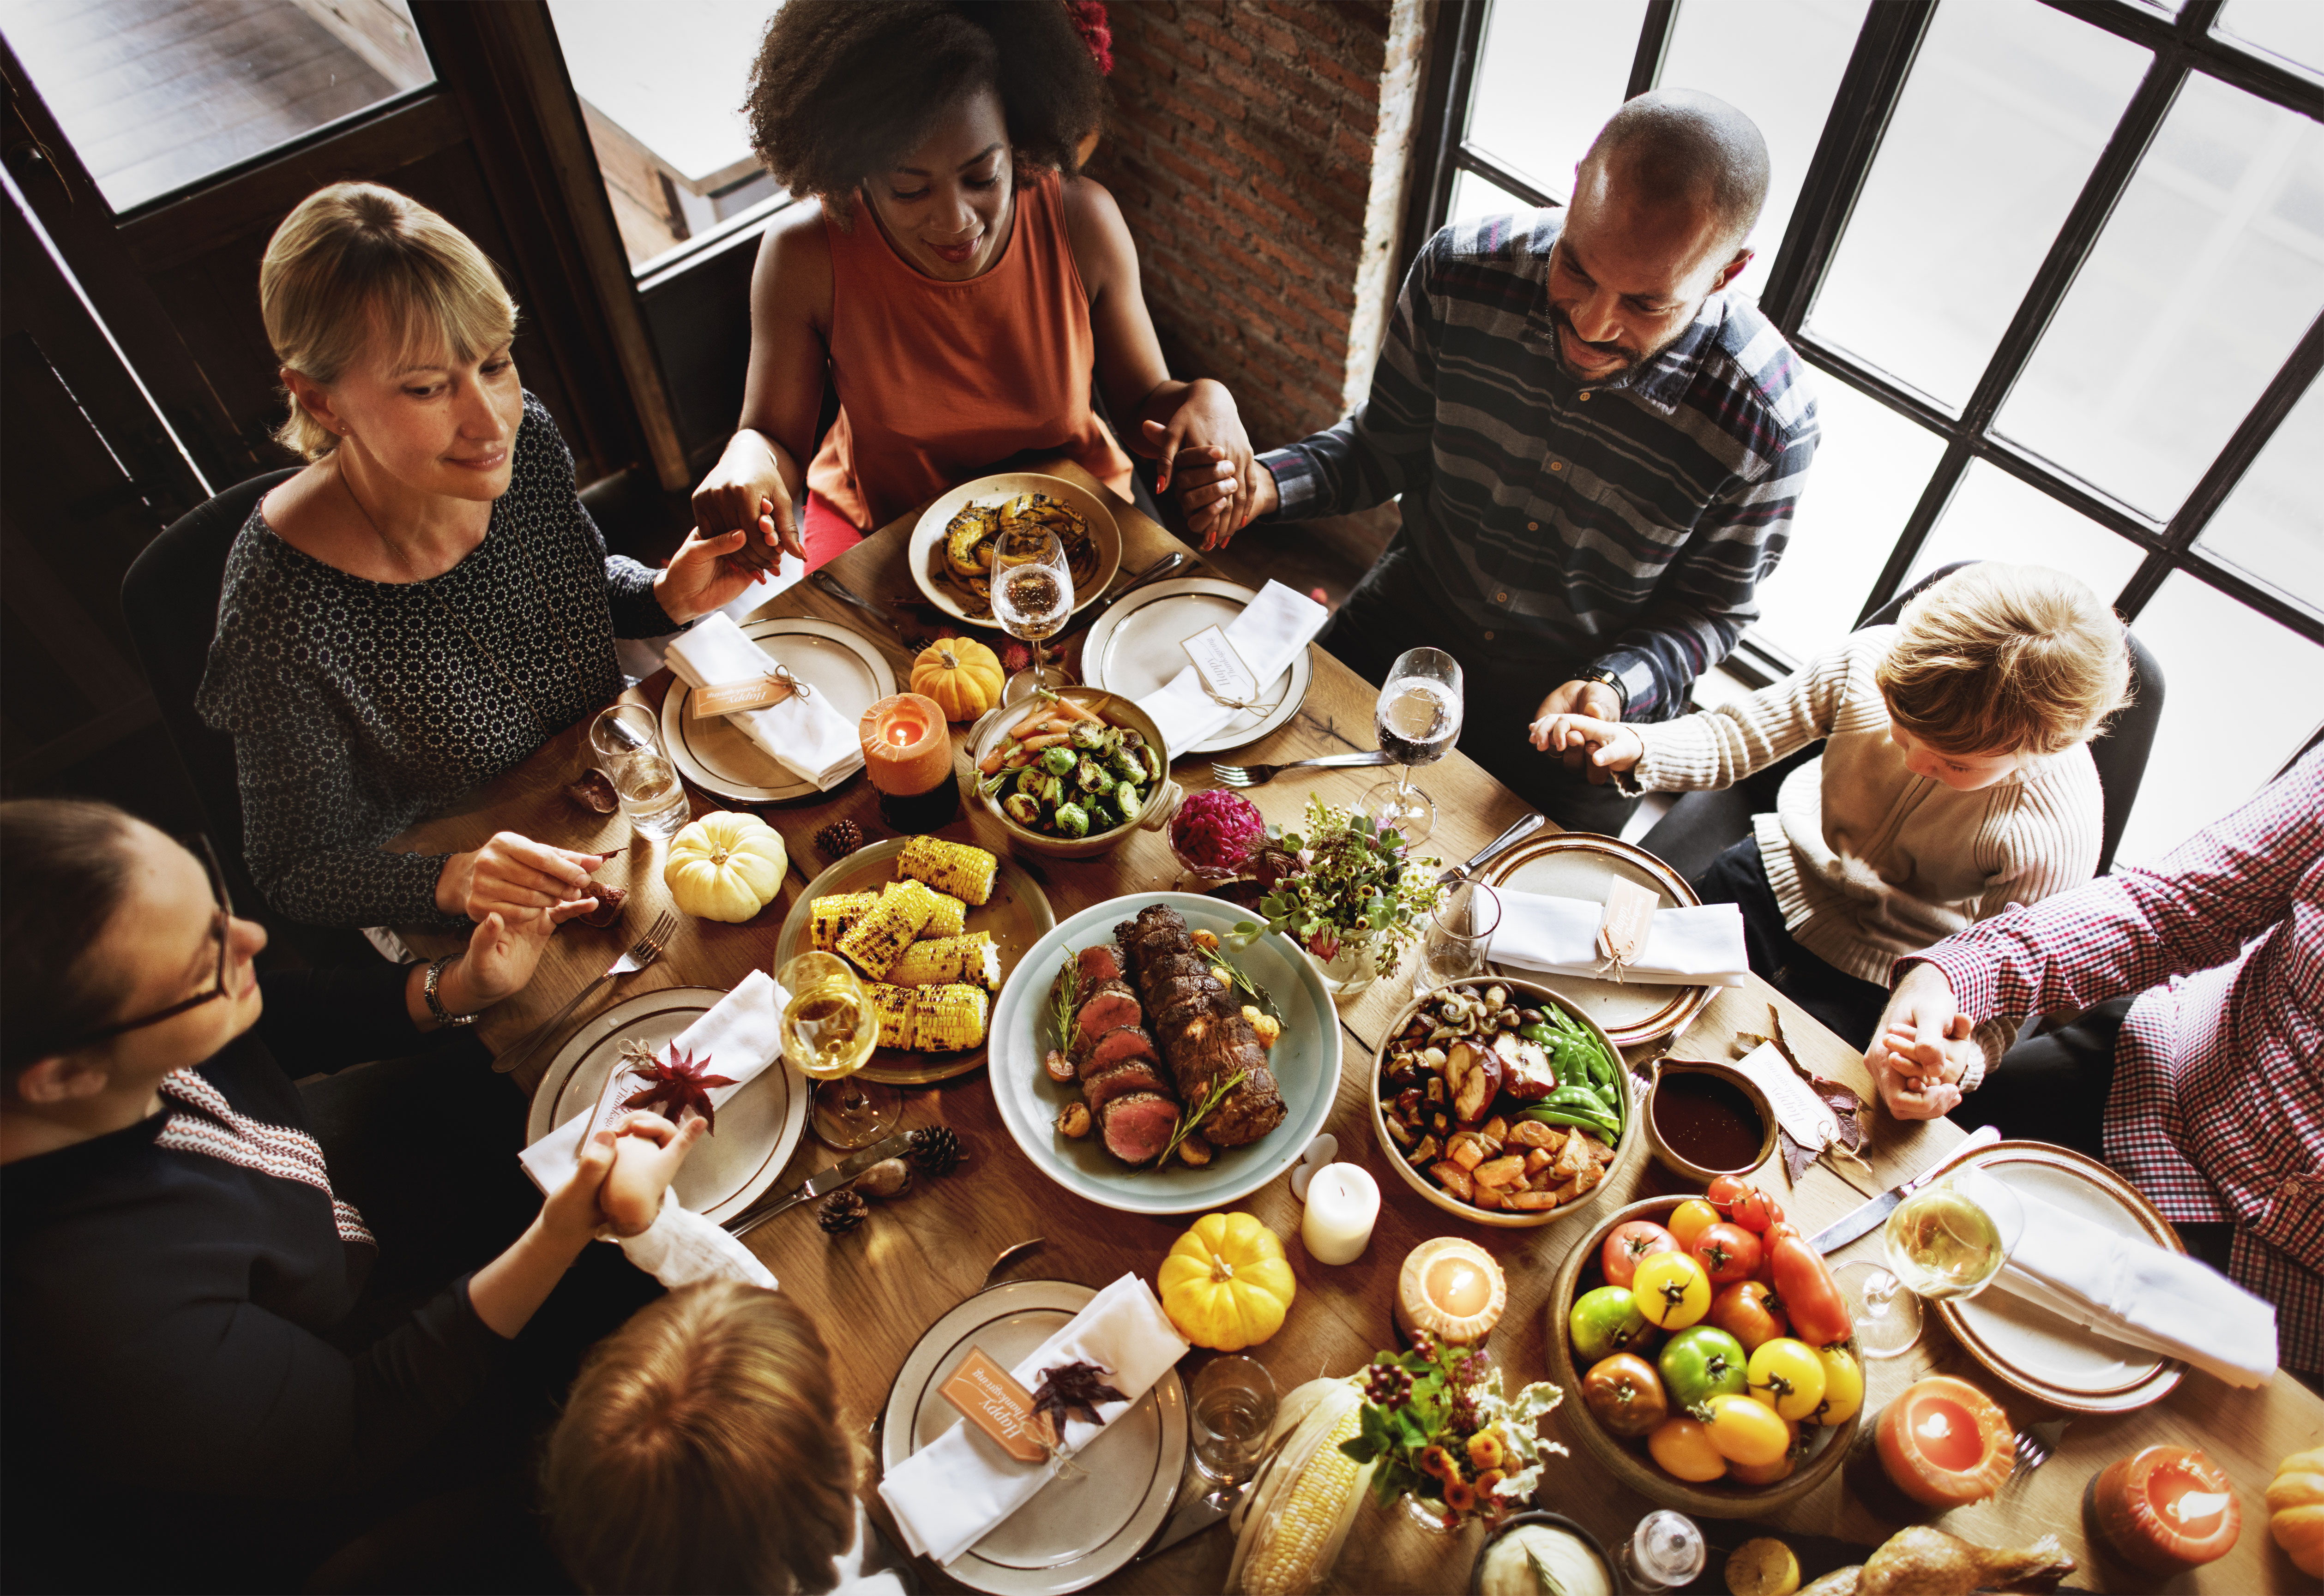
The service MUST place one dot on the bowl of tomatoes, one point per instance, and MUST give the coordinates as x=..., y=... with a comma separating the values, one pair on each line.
x=1715, y=1360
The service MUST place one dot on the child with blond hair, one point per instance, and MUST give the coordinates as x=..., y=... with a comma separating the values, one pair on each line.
x=1955, y=780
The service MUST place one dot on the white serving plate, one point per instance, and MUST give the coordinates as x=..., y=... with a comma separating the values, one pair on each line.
x=1133, y=649
x=714, y=754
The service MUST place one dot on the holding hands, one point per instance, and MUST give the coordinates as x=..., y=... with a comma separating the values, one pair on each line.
x=745, y=492
x=1581, y=723
x=513, y=876
x=1924, y=1047
x=1204, y=449
x=712, y=569
x=619, y=1181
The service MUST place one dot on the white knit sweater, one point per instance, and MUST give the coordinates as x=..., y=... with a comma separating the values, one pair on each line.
x=1869, y=861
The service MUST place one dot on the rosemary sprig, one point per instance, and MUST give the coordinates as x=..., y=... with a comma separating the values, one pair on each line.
x=1063, y=999
x=1543, y=1577
x=1232, y=975
x=1187, y=1122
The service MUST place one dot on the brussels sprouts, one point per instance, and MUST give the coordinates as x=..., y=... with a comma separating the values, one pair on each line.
x=1152, y=756
x=1073, y=819
x=1058, y=761
x=1040, y=785
x=1125, y=765
x=1023, y=808
x=1127, y=800
x=1131, y=735
x=1091, y=779
x=1088, y=738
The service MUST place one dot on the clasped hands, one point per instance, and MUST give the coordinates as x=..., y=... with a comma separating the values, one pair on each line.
x=618, y=1183
x=1581, y=723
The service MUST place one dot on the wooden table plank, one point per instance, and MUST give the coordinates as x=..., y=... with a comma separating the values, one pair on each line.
x=876, y=1291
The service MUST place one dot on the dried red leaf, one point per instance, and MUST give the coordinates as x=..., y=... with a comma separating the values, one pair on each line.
x=609, y=904
x=677, y=1084
x=1073, y=1390
x=594, y=792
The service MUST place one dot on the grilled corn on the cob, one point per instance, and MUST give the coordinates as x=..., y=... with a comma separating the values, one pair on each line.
x=951, y=918
x=930, y=961
x=930, y=1019
x=829, y=917
x=887, y=928
x=960, y=869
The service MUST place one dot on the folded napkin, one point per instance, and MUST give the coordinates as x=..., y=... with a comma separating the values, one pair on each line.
x=1702, y=946
x=1268, y=634
x=805, y=736
x=949, y=1494
x=2125, y=1289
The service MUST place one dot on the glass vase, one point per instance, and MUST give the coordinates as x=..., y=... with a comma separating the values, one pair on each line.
x=1427, y=1512
x=1350, y=971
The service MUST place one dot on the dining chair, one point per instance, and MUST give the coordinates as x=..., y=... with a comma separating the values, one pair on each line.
x=1700, y=826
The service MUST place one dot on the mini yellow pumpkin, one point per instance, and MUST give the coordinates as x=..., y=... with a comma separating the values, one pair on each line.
x=1225, y=1284
x=961, y=674
x=2295, y=1509
x=725, y=866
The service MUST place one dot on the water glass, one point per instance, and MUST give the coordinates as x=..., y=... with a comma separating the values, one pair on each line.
x=1232, y=1410
x=627, y=742
x=1454, y=949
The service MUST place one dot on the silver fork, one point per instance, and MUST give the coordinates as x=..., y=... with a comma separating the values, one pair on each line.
x=1258, y=776
x=2036, y=1443
x=642, y=952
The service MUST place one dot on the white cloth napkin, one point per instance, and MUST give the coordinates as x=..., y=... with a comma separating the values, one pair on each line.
x=2128, y=1291
x=1700, y=946
x=1268, y=634
x=949, y=1494
x=805, y=736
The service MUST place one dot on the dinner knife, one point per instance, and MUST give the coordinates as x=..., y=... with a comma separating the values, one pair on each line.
x=847, y=595
x=1154, y=573
x=1834, y=1237
x=1492, y=850
x=815, y=1186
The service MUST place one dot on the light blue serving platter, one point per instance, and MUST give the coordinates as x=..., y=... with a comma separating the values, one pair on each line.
x=1306, y=1061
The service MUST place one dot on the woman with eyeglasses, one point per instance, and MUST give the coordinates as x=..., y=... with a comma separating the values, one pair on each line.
x=203, y=1316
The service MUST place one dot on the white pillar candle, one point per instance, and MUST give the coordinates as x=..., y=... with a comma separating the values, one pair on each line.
x=1342, y=1203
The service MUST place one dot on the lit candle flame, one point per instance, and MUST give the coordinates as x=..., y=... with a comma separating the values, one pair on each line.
x=2198, y=1504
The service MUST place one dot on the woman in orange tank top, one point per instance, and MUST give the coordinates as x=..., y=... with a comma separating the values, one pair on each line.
x=959, y=284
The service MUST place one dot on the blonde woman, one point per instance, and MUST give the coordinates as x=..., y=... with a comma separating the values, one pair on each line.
x=699, y=1451
x=428, y=601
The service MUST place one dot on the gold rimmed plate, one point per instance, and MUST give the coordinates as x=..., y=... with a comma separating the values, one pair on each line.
x=714, y=754
x=923, y=553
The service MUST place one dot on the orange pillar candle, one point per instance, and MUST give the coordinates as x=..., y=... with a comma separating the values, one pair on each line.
x=1450, y=1288
x=1945, y=1442
x=908, y=755
x=2164, y=1509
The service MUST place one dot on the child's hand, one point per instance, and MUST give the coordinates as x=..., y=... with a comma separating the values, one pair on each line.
x=1611, y=745
x=647, y=1155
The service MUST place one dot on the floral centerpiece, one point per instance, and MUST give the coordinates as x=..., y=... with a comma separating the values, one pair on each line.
x=1346, y=890
x=1437, y=1423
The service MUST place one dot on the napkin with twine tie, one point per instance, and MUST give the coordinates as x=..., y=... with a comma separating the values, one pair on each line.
x=803, y=734
x=1268, y=634
x=1685, y=947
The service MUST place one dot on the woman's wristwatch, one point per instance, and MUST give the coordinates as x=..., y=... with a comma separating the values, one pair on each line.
x=444, y=1017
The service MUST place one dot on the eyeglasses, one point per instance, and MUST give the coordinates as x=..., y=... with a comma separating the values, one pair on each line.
x=218, y=929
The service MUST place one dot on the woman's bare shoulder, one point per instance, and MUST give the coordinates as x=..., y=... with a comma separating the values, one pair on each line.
x=793, y=265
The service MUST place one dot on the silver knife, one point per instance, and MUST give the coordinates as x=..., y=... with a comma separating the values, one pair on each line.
x=1496, y=847
x=1154, y=573
x=1195, y=1518
x=847, y=595
x=1834, y=1237
x=828, y=1180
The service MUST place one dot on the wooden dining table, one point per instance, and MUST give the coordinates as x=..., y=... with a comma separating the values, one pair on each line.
x=876, y=1289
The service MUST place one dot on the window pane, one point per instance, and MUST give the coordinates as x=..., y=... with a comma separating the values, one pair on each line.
x=1993, y=515
x=1871, y=463
x=2007, y=109
x=2245, y=693
x=2292, y=30
x=1779, y=62
x=1549, y=74
x=1473, y=196
x=2209, y=270
x=158, y=93
x=2270, y=525
x=663, y=106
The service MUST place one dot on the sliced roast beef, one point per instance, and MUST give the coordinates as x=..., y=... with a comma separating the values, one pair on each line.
x=1113, y=1007
x=1138, y=1075
x=1137, y=1127
x=1116, y=1046
x=1202, y=1030
x=1098, y=963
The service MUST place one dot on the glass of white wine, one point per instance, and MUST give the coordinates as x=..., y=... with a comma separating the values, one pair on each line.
x=1032, y=597
x=829, y=1033
x=1947, y=1240
x=1418, y=719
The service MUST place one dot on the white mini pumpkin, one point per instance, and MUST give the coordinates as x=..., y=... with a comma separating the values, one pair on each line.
x=725, y=866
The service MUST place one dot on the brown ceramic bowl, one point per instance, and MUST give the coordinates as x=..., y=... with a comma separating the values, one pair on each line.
x=1628, y=1460
x=1685, y=1168
x=988, y=733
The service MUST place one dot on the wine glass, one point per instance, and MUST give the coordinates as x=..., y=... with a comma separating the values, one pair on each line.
x=1453, y=949
x=1948, y=1240
x=829, y=1033
x=1032, y=595
x=1418, y=719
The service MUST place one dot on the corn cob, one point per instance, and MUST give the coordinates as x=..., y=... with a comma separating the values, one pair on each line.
x=932, y=961
x=930, y=1019
x=960, y=869
x=887, y=928
x=1299, y=1541
x=829, y=916
x=951, y=918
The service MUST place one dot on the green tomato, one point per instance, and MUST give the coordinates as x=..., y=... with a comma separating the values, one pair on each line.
x=1703, y=1362
x=1608, y=1321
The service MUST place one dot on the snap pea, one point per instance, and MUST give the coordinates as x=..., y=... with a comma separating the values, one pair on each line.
x=1580, y=1122
x=1577, y=1096
x=1541, y=1034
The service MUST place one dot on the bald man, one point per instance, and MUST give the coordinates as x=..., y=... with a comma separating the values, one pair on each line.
x=1596, y=451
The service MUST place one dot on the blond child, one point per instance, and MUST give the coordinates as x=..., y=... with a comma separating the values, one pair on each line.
x=1955, y=781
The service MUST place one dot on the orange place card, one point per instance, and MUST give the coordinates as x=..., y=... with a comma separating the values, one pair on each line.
x=729, y=697
x=1629, y=915
x=990, y=1399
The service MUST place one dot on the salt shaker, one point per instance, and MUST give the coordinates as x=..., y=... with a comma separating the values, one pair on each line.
x=1665, y=1551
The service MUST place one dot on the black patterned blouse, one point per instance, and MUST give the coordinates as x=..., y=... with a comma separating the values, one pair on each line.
x=358, y=708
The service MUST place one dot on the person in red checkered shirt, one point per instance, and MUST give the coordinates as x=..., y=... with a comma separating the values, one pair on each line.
x=2195, y=1060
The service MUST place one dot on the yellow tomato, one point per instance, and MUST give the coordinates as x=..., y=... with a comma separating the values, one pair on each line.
x=1745, y=1432
x=1689, y=1220
x=1843, y=1387
x=1787, y=1376
x=1672, y=1290
x=1682, y=1447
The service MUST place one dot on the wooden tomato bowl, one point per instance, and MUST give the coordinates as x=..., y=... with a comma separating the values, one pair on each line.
x=1629, y=1153
x=1627, y=1461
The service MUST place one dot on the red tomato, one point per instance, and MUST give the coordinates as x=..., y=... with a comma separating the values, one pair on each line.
x=1755, y=1210
x=1728, y=1254
x=1722, y=1192
x=1629, y=1243
x=1818, y=1315
x=1750, y=1313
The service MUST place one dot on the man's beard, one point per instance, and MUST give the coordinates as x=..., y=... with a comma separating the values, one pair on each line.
x=1632, y=359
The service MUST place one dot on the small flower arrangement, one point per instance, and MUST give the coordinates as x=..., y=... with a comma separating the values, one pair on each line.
x=1357, y=886
x=1436, y=1420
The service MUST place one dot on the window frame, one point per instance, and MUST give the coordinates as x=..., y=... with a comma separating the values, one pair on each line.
x=1869, y=90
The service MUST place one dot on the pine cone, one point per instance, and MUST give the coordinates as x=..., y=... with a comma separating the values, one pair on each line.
x=935, y=1150
x=841, y=1212
x=839, y=839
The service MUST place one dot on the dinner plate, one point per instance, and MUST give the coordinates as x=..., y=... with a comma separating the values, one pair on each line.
x=1305, y=1062
x=2033, y=1349
x=1018, y=914
x=1076, y=1530
x=1133, y=649
x=714, y=754
x=759, y=1126
x=1580, y=865
x=923, y=552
